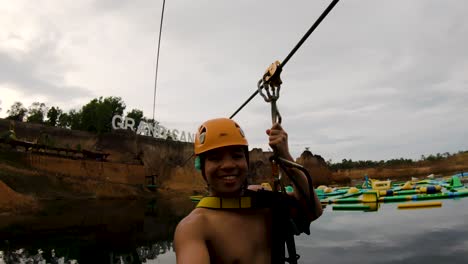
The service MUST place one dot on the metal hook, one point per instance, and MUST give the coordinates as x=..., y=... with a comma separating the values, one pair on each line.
x=271, y=84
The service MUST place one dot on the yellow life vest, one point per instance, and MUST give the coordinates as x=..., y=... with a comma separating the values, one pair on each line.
x=225, y=203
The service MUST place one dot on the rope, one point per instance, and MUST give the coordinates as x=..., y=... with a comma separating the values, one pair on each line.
x=293, y=51
x=314, y=26
x=157, y=59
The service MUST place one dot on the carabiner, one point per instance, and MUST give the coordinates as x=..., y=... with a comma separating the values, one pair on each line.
x=271, y=84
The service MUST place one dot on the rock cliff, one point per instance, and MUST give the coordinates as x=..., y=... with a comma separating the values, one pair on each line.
x=132, y=158
x=317, y=168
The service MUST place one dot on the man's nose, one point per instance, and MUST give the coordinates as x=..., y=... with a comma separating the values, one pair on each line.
x=228, y=163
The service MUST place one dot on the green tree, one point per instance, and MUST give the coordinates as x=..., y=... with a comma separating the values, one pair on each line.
x=74, y=119
x=71, y=120
x=96, y=116
x=137, y=115
x=37, y=112
x=64, y=120
x=90, y=111
x=17, y=112
x=431, y=158
x=53, y=116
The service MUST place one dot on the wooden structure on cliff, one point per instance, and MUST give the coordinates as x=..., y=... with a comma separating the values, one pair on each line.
x=56, y=151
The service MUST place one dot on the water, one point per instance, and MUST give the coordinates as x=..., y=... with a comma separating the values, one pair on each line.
x=136, y=232
x=390, y=235
x=92, y=232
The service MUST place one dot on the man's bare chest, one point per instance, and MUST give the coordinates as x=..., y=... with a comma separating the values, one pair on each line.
x=241, y=234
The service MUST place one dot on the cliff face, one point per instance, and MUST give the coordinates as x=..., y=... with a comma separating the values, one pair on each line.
x=317, y=168
x=133, y=157
x=449, y=166
x=259, y=166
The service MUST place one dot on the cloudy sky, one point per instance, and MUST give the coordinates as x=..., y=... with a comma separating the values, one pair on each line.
x=376, y=80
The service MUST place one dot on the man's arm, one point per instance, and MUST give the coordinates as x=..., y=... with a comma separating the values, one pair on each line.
x=189, y=241
x=278, y=140
x=316, y=211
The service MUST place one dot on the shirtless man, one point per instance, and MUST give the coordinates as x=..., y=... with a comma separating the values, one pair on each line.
x=232, y=235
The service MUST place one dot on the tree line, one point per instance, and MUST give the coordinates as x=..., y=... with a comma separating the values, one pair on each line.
x=347, y=164
x=95, y=116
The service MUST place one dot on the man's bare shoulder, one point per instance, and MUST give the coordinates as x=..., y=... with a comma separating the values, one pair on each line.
x=192, y=227
x=189, y=238
x=195, y=221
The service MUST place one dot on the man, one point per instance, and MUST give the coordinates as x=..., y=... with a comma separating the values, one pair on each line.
x=242, y=234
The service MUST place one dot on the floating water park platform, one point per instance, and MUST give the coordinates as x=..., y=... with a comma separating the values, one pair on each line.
x=368, y=196
x=371, y=193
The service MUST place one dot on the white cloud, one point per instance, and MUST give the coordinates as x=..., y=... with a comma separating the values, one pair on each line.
x=376, y=80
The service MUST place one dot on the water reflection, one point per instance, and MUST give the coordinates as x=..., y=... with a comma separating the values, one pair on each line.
x=141, y=254
x=92, y=232
x=151, y=253
x=23, y=256
x=142, y=232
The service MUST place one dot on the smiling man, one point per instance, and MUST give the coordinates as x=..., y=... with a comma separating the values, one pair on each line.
x=235, y=224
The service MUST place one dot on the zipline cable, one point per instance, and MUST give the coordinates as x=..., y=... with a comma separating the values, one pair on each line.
x=293, y=51
x=299, y=44
x=269, y=88
x=157, y=59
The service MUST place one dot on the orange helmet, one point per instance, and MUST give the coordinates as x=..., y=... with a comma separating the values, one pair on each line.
x=216, y=133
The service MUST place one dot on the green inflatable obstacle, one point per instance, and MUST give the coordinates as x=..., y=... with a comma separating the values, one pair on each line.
x=455, y=183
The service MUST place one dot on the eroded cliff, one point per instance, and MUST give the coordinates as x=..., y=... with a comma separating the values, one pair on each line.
x=130, y=159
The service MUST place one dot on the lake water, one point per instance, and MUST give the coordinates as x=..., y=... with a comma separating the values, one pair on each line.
x=136, y=232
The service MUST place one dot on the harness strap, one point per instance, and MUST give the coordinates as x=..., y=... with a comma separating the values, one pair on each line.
x=285, y=227
x=225, y=203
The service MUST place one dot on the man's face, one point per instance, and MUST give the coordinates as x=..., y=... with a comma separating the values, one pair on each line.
x=226, y=170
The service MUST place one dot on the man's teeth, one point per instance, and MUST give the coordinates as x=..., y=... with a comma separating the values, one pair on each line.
x=229, y=177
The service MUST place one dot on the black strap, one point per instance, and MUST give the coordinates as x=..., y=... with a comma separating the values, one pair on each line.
x=291, y=247
x=283, y=232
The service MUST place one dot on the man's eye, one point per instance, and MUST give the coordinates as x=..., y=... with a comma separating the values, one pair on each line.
x=238, y=156
x=213, y=158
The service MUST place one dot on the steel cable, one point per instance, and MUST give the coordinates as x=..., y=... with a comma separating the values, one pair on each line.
x=157, y=60
x=293, y=51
